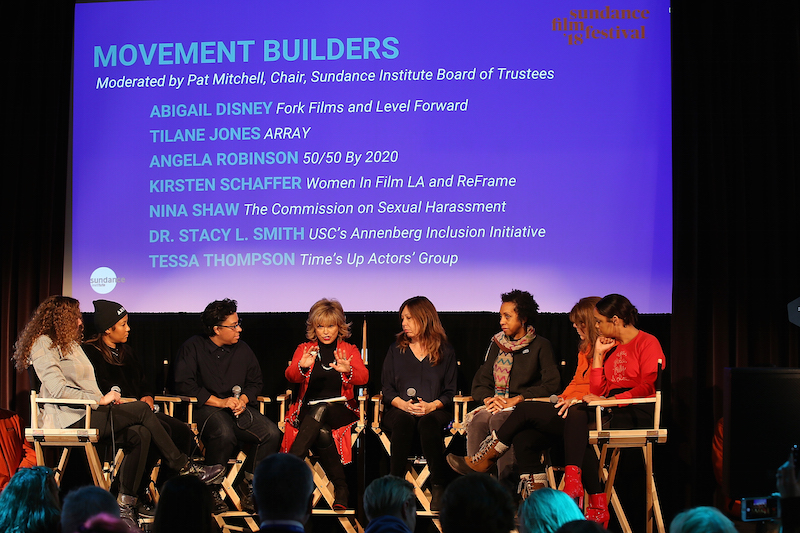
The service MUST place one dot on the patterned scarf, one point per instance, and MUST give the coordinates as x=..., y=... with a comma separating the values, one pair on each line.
x=505, y=359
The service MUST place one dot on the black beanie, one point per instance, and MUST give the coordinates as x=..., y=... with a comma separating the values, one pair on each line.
x=106, y=314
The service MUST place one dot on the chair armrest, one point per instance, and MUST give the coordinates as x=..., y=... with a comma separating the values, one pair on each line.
x=169, y=399
x=262, y=403
x=600, y=404
x=66, y=401
x=377, y=410
x=461, y=408
x=621, y=401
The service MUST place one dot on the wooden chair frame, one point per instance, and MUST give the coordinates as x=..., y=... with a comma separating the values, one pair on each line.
x=323, y=487
x=418, y=477
x=608, y=443
x=85, y=437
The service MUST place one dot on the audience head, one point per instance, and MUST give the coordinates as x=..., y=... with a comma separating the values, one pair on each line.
x=421, y=323
x=616, y=305
x=185, y=505
x=323, y=313
x=702, y=520
x=545, y=510
x=476, y=503
x=29, y=503
x=83, y=503
x=58, y=317
x=391, y=496
x=283, y=488
x=526, y=307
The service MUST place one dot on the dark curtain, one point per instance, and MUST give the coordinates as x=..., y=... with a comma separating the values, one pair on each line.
x=736, y=94
x=736, y=86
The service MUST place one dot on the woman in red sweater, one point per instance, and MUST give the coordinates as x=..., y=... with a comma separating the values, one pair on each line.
x=322, y=416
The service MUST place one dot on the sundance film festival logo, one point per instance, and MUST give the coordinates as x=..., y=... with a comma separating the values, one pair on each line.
x=584, y=25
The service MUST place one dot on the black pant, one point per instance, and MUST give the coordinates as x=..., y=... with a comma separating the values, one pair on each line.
x=532, y=428
x=403, y=427
x=134, y=426
x=222, y=433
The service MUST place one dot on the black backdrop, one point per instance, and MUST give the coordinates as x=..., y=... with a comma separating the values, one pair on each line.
x=736, y=87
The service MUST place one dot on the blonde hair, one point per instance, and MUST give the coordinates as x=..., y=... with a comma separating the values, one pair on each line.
x=326, y=312
x=431, y=335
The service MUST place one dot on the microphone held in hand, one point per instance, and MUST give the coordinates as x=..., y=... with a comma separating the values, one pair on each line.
x=554, y=399
x=237, y=391
x=116, y=389
x=412, y=394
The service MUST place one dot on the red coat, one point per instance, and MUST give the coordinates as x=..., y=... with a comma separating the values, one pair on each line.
x=358, y=376
x=16, y=452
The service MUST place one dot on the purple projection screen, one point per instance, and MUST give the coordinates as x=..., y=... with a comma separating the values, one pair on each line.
x=280, y=152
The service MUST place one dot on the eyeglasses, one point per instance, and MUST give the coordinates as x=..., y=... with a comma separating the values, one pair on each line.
x=233, y=327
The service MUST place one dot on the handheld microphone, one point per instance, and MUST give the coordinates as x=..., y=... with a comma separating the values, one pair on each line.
x=412, y=393
x=237, y=391
x=554, y=399
x=116, y=389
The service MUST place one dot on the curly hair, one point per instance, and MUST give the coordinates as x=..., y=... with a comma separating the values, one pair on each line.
x=215, y=314
x=326, y=312
x=58, y=317
x=526, y=307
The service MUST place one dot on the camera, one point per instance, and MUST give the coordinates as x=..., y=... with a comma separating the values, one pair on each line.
x=756, y=509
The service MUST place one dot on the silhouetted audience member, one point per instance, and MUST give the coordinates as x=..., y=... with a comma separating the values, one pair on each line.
x=83, y=503
x=545, y=510
x=582, y=526
x=702, y=520
x=283, y=488
x=390, y=506
x=476, y=503
x=29, y=503
x=185, y=505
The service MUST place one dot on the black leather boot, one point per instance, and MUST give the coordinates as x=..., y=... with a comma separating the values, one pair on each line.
x=127, y=509
x=332, y=464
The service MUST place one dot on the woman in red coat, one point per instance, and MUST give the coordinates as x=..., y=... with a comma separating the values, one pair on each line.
x=321, y=418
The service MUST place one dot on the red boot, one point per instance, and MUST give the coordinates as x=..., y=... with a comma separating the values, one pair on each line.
x=597, y=509
x=573, y=486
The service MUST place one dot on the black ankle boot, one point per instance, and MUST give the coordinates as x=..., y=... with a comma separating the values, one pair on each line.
x=127, y=509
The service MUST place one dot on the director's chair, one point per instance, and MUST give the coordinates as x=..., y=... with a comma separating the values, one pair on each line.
x=608, y=443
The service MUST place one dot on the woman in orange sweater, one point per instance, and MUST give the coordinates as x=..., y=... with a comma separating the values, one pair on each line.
x=536, y=426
